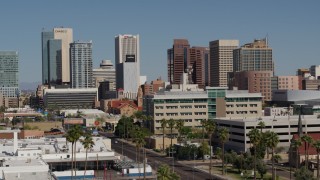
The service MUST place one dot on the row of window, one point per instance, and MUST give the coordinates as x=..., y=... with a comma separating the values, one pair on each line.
x=182, y=107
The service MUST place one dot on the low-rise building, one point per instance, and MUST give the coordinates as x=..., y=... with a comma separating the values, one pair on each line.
x=284, y=126
x=71, y=98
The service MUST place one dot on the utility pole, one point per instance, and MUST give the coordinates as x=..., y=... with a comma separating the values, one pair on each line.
x=144, y=163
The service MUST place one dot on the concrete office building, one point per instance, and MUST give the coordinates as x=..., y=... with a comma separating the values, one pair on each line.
x=9, y=73
x=255, y=56
x=81, y=64
x=106, y=72
x=55, y=56
x=191, y=104
x=254, y=82
x=127, y=54
x=221, y=61
x=286, y=82
x=71, y=98
x=284, y=126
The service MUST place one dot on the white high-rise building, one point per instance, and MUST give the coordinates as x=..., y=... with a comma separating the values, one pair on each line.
x=127, y=54
x=66, y=36
x=81, y=64
x=106, y=72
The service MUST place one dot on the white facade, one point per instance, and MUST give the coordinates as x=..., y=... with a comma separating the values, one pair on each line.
x=127, y=54
x=66, y=36
x=284, y=126
x=106, y=72
x=81, y=64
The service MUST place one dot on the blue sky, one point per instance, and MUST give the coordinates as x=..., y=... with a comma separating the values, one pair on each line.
x=293, y=28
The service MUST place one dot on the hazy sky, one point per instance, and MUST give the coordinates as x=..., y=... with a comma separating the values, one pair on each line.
x=293, y=28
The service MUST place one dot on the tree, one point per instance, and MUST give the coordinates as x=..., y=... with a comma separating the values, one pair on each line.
x=303, y=174
x=123, y=127
x=139, y=141
x=203, y=124
x=87, y=143
x=179, y=126
x=316, y=145
x=210, y=127
x=73, y=135
x=262, y=168
x=164, y=173
x=163, y=126
x=307, y=141
x=171, y=124
x=296, y=145
x=255, y=138
x=272, y=142
x=261, y=125
x=204, y=149
x=223, y=136
x=276, y=158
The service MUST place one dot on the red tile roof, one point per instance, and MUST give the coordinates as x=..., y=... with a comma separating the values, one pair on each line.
x=120, y=103
x=312, y=150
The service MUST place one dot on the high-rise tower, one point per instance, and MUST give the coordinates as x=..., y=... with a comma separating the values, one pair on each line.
x=221, y=61
x=55, y=56
x=81, y=64
x=9, y=73
x=127, y=57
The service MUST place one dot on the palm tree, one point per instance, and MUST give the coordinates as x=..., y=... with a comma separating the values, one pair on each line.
x=163, y=126
x=295, y=145
x=262, y=125
x=210, y=127
x=255, y=138
x=73, y=135
x=223, y=135
x=204, y=123
x=272, y=142
x=316, y=145
x=140, y=142
x=87, y=143
x=171, y=124
x=307, y=141
x=179, y=126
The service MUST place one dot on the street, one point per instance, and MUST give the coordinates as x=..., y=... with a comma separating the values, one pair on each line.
x=155, y=160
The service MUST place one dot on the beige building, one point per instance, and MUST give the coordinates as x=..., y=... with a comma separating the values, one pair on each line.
x=66, y=36
x=289, y=82
x=221, y=61
x=239, y=104
x=156, y=142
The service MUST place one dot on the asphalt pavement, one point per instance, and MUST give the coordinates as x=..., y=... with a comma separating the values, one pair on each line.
x=186, y=172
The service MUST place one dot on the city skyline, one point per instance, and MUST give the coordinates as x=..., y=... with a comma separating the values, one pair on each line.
x=291, y=28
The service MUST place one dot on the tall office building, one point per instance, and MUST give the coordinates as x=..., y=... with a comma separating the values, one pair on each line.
x=256, y=56
x=197, y=60
x=81, y=64
x=253, y=65
x=127, y=54
x=182, y=58
x=221, y=61
x=177, y=60
x=55, y=56
x=9, y=73
x=106, y=72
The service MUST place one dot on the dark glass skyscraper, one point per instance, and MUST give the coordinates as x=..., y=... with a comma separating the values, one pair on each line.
x=54, y=68
x=45, y=37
